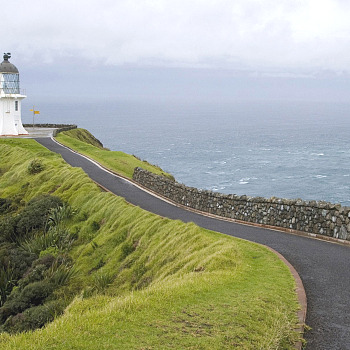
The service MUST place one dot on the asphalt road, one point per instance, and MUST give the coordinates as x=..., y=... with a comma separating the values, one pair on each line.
x=323, y=267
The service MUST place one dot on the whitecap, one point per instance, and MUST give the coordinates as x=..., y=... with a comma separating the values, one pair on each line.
x=347, y=175
x=244, y=181
x=317, y=154
x=320, y=176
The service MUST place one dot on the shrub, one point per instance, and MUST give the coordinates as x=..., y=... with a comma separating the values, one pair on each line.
x=8, y=229
x=5, y=205
x=13, y=263
x=16, y=258
x=35, y=293
x=32, y=295
x=34, y=274
x=11, y=308
x=46, y=260
x=33, y=318
x=37, y=284
x=33, y=216
x=7, y=281
x=35, y=166
x=95, y=226
x=35, y=213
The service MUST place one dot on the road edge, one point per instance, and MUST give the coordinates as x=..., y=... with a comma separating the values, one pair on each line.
x=157, y=195
x=301, y=295
x=300, y=290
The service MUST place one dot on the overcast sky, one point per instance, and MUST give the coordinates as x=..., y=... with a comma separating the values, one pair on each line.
x=287, y=47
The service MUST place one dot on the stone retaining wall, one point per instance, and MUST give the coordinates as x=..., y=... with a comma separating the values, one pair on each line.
x=59, y=127
x=318, y=217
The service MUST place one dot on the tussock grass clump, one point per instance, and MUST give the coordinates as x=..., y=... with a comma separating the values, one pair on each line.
x=35, y=166
x=142, y=281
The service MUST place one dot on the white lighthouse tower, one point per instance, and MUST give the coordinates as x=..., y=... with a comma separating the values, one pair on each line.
x=10, y=99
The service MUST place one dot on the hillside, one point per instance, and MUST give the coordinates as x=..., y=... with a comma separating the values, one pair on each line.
x=84, y=136
x=122, y=163
x=141, y=281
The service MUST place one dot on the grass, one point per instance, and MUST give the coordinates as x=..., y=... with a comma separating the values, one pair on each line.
x=145, y=282
x=124, y=164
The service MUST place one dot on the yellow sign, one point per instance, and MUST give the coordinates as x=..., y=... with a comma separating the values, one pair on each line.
x=36, y=112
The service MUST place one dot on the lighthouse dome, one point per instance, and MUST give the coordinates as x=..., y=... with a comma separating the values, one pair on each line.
x=6, y=66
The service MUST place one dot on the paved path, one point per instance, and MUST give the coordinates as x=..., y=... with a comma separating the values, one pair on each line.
x=323, y=267
x=36, y=132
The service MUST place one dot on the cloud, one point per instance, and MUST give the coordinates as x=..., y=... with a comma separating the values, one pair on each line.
x=244, y=34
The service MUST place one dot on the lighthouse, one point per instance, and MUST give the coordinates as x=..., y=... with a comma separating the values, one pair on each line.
x=10, y=99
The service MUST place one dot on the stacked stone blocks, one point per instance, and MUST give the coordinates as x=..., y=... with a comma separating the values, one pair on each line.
x=316, y=217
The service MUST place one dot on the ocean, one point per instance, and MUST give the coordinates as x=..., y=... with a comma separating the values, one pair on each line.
x=281, y=149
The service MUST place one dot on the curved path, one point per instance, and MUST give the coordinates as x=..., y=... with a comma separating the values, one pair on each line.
x=323, y=267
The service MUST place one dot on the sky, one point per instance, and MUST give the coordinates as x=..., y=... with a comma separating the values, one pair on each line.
x=200, y=49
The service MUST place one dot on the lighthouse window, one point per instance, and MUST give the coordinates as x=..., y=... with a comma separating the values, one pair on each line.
x=11, y=83
x=16, y=105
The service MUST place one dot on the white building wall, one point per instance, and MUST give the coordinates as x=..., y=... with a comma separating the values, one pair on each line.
x=10, y=119
x=7, y=121
x=17, y=116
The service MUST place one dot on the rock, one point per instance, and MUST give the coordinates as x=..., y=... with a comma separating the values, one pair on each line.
x=343, y=234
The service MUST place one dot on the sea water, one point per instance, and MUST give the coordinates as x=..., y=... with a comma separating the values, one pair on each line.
x=282, y=149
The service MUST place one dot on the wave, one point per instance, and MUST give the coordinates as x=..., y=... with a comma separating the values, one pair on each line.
x=244, y=181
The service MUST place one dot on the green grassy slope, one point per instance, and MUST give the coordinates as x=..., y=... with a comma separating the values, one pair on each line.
x=124, y=164
x=145, y=282
x=84, y=136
